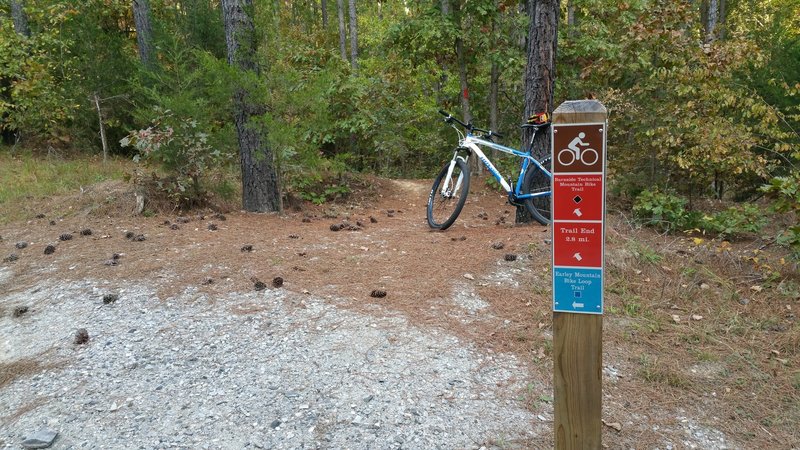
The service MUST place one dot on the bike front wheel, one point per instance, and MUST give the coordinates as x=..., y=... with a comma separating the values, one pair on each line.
x=448, y=195
x=536, y=181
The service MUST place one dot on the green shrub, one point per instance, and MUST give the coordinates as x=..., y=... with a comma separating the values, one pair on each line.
x=734, y=220
x=785, y=192
x=180, y=148
x=663, y=210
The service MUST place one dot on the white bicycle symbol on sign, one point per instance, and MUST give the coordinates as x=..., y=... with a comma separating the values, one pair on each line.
x=573, y=152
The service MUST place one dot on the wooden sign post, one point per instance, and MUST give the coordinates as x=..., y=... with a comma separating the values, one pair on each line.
x=578, y=196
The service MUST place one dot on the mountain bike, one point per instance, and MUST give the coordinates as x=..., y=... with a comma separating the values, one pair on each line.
x=450, y=189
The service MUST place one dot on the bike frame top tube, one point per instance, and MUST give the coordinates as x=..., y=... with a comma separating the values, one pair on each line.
x=472, y=143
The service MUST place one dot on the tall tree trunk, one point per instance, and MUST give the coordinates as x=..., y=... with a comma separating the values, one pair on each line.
x=494, y=79
x=324, y=8
x=144, y=31
x=462, y=76
x=711, y=20
x=572, y=21
x=539, y=75
x=342, y=32
x=445, y=6
x=260, y=186
x=20, y=18
x=353, y=36
x=540, y=68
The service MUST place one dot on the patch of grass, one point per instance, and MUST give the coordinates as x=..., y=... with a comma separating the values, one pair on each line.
x=646, y=254
x=654, y=371
x=26, y=176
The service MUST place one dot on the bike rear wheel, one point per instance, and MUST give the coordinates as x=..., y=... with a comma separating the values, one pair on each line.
x=448, y=195
x=535, y=182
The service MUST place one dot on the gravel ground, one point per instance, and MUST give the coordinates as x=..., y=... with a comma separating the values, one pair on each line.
x=269, y=369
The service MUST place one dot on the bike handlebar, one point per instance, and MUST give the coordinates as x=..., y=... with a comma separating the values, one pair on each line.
x=469, y=127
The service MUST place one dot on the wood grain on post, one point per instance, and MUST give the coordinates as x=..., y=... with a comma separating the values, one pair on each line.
x=578, y=341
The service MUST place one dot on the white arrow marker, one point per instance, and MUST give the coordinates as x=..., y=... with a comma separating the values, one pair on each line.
x=576, y=305
x=577, y=212
x=577, y=256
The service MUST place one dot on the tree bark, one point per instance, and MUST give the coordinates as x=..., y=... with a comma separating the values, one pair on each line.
x=353, y=36
x=342, y=32
x=494, y=79
x=711, y=20
x=260, y=186
x=540, y=68
x=20, y=18
x=324, y=8
x=144, y=31
x=539, y=75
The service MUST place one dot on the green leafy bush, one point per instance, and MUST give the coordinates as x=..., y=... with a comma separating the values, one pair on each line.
x=663, y=210
x=668, y=212
x=734, y=220
x=785, y=192
x=180, y=148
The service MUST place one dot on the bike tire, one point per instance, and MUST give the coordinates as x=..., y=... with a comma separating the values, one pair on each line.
x=537, y=181
x=440, y=216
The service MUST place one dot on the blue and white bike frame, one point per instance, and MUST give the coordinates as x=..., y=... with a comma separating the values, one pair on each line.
x=472, y=143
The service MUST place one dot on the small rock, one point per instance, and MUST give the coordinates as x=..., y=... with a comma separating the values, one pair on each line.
x=21, y=245
x=212, y=227
x=166, y=222
x=697, y=317
x=40, y=216
x=373, y=220
x=19, y=311
x=704, y=286
x=207, y=281
x=469, y=276
x=277, y=282
x=182, y=220
x=294, y=236
x=275, y=424
x=510, y=257
x=174, y=226
x=743, y=301
x=616, y=426
x=81, y=336
x=65, y=237
x=498, y=245
x=41, y=439
x=676, y=318
x=220, y=217
x=11, y=258
x=49, y=250
x=377, y=293
x=139, y=238
x=259, y=285
x=359, y=224
x=336, y=227
x=110, y=298
x=111, y=262
x=52, y=222
x=247, y=248
x=129, y=234
x=86, y=232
